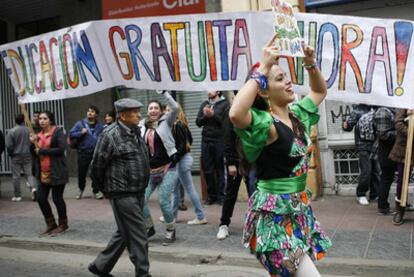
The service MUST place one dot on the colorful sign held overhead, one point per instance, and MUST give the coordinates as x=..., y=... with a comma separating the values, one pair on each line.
x=131, y=8
x=364, y=60
x=289, y=40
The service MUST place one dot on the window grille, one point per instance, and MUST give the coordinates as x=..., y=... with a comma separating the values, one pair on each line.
x=346, y=166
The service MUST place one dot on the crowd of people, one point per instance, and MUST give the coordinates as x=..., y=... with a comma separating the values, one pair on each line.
x=380, y=135
x=261, y=136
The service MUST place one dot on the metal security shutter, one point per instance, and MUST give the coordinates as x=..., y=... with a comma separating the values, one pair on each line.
x=9, y=108
x=189, y=101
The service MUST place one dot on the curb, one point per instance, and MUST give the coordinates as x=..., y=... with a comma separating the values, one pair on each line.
x=337, y=266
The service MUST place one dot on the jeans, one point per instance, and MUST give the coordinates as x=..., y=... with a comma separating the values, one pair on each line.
x=84, y=160
x=369, y=176
x=165, y=189
x=184, y=177
x=213, y=166
x=57, y=196
x=19, y=164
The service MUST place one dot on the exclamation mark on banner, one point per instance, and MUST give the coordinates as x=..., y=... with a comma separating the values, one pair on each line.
x=403, y=32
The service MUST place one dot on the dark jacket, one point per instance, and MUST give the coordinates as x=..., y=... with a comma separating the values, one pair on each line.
x=401, y=125
x=58, y=164
x=230, y=141
x=384, y=126
x=212, y=127
x=357, y=112
x=120, y=164
x=89, y=139
x=183, y=139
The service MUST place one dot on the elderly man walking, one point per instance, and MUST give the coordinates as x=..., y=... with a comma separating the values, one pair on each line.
x=121, y=168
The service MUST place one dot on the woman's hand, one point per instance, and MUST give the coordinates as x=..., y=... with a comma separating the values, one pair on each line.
x=309, y=59
x=33, y=138
x=270, y=56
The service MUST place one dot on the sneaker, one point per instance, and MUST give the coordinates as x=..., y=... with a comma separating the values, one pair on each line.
x=223, y=232
x=169, y=238
x=34, y=194
x=95, y=271
x=16, y=199
x=386, y=211
x=150, y=232
x=162, y=219
x=197, y=221
x=99, y=195
x=362, y=200
x=80, y=194
x=182, y=207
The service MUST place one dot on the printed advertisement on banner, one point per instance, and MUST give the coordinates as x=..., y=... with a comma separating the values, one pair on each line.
x=364, y=60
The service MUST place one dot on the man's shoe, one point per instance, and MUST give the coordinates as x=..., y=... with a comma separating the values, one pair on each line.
x=398, y=218
x=197, y=221
x=386, y=211
x=209, y=201
x=162, y=219
x=150, y=232
x=223, y=232
x=182, y=207
x=16, y=199
x=362, y=200
x=34, y=194
x=169, y=238
x=80, y=194
x=94, y=270
x=99, y=195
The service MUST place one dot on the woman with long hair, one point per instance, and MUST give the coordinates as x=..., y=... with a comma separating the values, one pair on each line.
x=183, y=142
x=280, y=227
x=109, y=118
x=52, y=172
x=156, y=130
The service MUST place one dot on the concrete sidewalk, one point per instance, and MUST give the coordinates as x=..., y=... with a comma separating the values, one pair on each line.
x=362, y=240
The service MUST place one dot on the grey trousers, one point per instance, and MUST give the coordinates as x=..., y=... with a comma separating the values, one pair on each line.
x=19, y=164
x=131, y=233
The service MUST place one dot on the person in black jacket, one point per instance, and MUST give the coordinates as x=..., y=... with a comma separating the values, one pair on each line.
x=183, y=141
x=234, y=176
x=52, y=172
x=210, y=117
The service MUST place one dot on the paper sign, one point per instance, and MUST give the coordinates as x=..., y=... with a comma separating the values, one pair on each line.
x=289, y=41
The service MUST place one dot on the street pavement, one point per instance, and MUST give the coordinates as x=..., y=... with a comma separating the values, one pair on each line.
x=364, y=243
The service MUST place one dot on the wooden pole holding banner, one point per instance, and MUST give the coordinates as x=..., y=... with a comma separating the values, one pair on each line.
x=407, y=162
x=27, y=121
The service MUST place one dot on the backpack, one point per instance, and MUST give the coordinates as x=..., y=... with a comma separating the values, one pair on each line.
x=366, y=126
x=74, y=143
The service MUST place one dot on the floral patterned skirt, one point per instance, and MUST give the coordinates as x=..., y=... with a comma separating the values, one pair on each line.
x=280, y=228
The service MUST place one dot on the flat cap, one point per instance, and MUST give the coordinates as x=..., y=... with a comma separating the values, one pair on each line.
x=125, y=104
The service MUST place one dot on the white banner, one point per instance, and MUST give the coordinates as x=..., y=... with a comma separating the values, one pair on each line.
x=364, y=60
